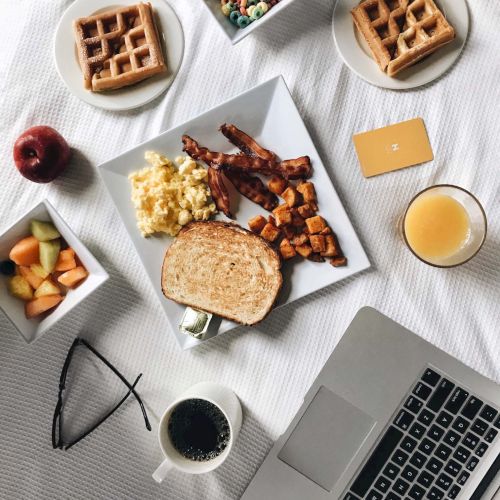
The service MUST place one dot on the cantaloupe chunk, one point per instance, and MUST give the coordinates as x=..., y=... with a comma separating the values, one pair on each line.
x=40, y=305
x=34, y=280
x=48, y=287
x=66, y=260
x=73, y=277
x=25, y=252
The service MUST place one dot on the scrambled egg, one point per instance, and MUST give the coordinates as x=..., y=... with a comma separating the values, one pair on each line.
x=167, y=196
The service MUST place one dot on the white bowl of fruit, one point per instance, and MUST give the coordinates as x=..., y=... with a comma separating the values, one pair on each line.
x=45, y=271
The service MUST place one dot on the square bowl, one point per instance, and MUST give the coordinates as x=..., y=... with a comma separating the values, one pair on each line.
x=234, y=33
x=33, y=329
x=275, y=124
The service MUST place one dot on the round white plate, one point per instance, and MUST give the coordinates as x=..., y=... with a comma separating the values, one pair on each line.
x=354, y=50
x=171, y=37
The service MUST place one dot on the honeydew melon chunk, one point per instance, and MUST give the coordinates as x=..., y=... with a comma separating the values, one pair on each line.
x=49, y=253
x=44, y=231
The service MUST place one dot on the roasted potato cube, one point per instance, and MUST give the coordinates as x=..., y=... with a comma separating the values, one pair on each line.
x=289, y=231
x=305, y=211
x=298, y=221
x=271, y=220
x=318, y=243
x=300, y=239
x=270, y=232
x=291, y=196
x=283, y=218
x=304, y=250
x=331, y=249
x=315, y=224
x=283, y=215
x=316, y=257
x=257, y=223
x=326, y=231
x=277, y=184
x=286, y=249
x=313, y=205
x=308, y=192
x=338, y=261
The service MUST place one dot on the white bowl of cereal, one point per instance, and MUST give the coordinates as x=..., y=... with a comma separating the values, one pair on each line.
x=239, y=18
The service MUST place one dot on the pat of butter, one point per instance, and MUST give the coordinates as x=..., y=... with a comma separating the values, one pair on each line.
x=195, y=323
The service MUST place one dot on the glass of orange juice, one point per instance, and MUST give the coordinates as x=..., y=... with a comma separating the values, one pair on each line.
x=444, y=225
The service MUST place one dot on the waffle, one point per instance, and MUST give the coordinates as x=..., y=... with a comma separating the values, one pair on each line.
x=118, y=47
x=401, y=32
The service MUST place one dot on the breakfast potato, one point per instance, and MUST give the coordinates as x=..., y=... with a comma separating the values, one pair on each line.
x=282, y=215
x=257, y=223
x=305, y=211
x=315, y=224
x=318, y=243
x=277, y=184
x=300, y=239
x=288, y=231
x=291, y=196
x=306, y=189
x=297, y=220
x=331, y=249
x=326, y=231
x=286, y=249
x=338, y=262
x=316, y=257
x=270, y=232
x=304, y=250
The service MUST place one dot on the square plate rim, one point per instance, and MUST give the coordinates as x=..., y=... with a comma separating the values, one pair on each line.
x=277, y=81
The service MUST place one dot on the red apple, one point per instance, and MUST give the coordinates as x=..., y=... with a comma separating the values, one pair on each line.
x=41, y=154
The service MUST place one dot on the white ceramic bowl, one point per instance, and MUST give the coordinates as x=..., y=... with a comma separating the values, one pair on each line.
x=32, y=329
x=234, y=33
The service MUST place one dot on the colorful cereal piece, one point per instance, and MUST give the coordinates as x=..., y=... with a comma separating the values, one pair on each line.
x=243, y=21
x=264, y=6
x=234, y=16
x=226, y=9
x=257, y=12
x=250, y=11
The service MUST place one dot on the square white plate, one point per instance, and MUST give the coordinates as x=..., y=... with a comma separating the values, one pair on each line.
x=276, y=124
x=234, y=33
x=33, y=329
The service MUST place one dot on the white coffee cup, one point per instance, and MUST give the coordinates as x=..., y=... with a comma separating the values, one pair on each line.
x=227, y=402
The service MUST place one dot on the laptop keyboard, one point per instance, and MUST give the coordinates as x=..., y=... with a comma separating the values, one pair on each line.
x=436, y=440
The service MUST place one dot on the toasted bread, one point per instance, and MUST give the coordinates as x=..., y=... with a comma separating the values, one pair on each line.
x=222, y=269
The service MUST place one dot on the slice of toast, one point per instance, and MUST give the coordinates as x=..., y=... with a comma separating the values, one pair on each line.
x=222, y=269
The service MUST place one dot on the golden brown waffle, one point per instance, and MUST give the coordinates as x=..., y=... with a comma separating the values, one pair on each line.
x=401, y=32
x=118, y=47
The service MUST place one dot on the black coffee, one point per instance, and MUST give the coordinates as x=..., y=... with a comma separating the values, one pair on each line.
x=198, y=430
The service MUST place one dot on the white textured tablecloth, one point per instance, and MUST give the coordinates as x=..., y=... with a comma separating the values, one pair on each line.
x=271, y=366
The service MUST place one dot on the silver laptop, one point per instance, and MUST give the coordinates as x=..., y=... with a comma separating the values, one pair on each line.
x=390, y=417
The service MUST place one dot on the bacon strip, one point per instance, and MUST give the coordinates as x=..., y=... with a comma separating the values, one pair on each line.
x=290, y=169
x=246, y=143
x=219, y=191
x=252, y=188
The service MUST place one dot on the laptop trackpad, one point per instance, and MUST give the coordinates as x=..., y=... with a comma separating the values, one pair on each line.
x=326, y=438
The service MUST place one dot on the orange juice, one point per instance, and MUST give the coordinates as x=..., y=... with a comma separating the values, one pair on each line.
x=436, y=226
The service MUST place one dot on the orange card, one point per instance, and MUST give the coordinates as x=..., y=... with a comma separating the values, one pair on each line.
x=393, y=147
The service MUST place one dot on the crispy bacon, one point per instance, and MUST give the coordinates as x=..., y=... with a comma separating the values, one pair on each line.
x=219, y=191
x=298, y=168
x=246, y=143
x=252, y=188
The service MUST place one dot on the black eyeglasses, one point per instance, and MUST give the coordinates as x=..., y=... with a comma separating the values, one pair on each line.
x=57, y=437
